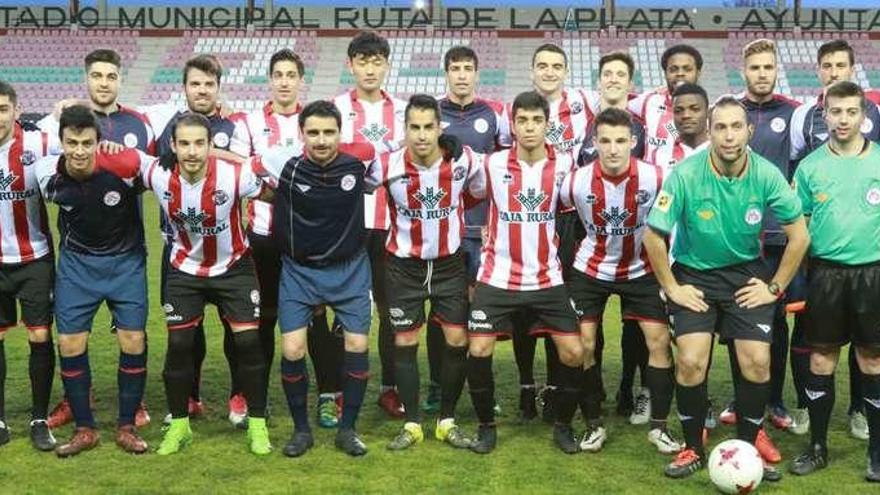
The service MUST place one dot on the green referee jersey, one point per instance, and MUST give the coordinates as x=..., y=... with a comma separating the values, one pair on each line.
x=717, y=218
x=841, y=195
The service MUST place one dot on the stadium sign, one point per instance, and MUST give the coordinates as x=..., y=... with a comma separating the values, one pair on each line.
x=451, y=18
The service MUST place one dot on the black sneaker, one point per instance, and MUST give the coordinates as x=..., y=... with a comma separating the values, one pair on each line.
x=771, y=474
x=814, y=459
x=528, y=409
x=348, y=442
x=487, y=437
x=300, y=442
x=872, y=474
x=548, y=404
x=564, y=438
x=625, y=403
x=686, y=463
x=41, y=436
x=4, y=433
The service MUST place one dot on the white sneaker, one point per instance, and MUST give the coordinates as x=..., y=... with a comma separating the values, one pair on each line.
x=858, y=426
x=800, y=424
x=642, y=408
x=594, y=439
x=663, y=441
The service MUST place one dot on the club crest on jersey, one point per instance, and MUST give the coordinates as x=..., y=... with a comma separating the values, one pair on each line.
x=220, y=197
x=753, y=216
x=531, y=200
x=777, y=125
x=429, y=198
x=643, y=197
x=459, y=173
x=615, y=215
x=221, y=140
x=481, y=126
x=873, y=196
x=7, y=180
x=28, y=157
x=348, y=182
x=867, y=126
x=373, y=132
x=112, y=198
x=130, y=140
x=576, y=108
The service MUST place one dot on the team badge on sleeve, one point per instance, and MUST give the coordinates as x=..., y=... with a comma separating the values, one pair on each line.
x=664, y=201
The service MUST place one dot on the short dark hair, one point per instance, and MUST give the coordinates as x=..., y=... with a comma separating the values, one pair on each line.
x=460, y=53
x=191, y=119
x=681, y=49
x=549, y=47
x=78, y=117
x=320, y=108
x=6, y=89
x=614, y=117
x=287, y=55
x=530, y=100
x=691, y=89
x=727, y=101
x=620, y=57
x=836, y=46
x=207, y=63
x=103, y=55
x=368, y=44
x=422, y=102
x=843, y=89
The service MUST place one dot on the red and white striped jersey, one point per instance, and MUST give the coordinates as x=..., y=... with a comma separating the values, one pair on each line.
x=205, y=216
x=268, y=129
x=570, y=118
x=380, y=124
x=679, y=152
x=655, y=110
x=614, y=212
x=427, y=203
x=520, y=253
x=24, y=225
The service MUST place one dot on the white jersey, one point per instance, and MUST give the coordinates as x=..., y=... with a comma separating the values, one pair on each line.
x=427, y=203
x=570, y=118
x=520, y=253
x=654, y=108
x=24, y=225
x=208, y=236
x=268, y=129
x=380, y=124
x=614, y=211
x=679, y=151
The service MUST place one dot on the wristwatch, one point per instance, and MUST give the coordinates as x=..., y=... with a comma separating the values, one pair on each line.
x=775, y=289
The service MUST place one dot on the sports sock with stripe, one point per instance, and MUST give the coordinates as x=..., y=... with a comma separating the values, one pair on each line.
x=77, y=377
x=751, y=402
x=692, y=408
x=481, y=382
x=452, y=377
x=819, y=391
x=41, y=368
x=131, y=378
x=251, y=364
x=660, y=382
x=406, y=374
x=295, y=381
x=357, y=371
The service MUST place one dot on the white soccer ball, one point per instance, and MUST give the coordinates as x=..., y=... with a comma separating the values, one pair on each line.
x=736, y=466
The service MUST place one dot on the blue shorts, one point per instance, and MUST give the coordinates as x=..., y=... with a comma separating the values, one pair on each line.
x=344, y=286
x=471, y=248
x=84, y=281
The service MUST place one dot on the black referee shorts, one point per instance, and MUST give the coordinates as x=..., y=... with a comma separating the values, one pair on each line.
x=493, y=310
x=412, y=281
x=639, y=298
x=843, y=304
x=724, y=315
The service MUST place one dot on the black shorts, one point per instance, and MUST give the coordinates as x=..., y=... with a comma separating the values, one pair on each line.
x=31, y=284
x=412, y=281
x=267, y=261
x=570, y=231
x=493, y=310
x=234, y=293
x=639, y=298
x=843, y=304
x=724, y=315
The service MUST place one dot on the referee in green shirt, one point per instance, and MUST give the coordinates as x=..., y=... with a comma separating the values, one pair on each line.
x=715, y=201
x=839, y=186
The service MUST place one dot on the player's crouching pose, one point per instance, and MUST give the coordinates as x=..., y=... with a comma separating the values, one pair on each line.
x=210, y=263
x=613, y=196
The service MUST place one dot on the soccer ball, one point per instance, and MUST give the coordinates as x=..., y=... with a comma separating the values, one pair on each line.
x=736, y=467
